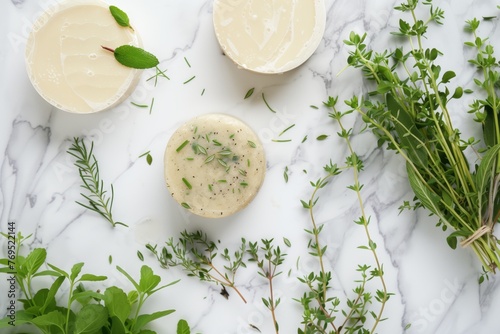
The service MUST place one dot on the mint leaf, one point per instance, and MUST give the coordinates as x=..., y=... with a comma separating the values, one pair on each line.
x=120, y=16
x=50, y=301
x=148, y=280
x=144, y=319
x=183, y=327
x=134, y=57
x=34, y=260
x=117, y=303
x=91, y=318
x=92, y=278
x=54, y=318
x=75, y=271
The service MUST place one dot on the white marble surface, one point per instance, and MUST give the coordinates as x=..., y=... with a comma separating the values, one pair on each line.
x=435, y=288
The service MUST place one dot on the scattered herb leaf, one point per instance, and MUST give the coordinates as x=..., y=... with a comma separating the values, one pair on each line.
x=189, y=80
x=267, y=104
x=181, y=146
x=249, y=93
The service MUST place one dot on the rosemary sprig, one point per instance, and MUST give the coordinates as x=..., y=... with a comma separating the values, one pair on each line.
x=88, y=168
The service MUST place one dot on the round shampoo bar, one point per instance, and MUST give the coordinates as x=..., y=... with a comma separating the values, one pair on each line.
x=214, y=165
x=67, y=64
x=269, y=36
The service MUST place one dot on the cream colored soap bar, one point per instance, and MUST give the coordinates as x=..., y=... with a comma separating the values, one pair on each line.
x=214, y=165
x=66, y=63
x=269, y=36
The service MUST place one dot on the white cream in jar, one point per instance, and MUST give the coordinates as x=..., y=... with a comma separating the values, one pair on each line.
x=66, y=63
x=269, y=36
x=214, y=165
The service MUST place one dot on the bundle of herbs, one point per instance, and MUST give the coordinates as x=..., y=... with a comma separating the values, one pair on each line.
x=410, y=111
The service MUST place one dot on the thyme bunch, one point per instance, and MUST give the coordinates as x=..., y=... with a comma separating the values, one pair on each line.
x=410, y=111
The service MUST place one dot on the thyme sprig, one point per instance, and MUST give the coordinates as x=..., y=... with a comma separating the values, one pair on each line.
x=88, y=169
x=200, y=257
x=268, y=258
x=322, y=311
x=409, y=111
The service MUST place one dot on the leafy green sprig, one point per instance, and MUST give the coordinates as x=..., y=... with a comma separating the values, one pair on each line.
x=323, y=312
x=409, y=111
x=268, y=259
x=88, y=168
x=86, y=311
x=197, y=255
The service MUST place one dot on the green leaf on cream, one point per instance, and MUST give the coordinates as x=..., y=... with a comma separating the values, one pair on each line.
x=120, y=16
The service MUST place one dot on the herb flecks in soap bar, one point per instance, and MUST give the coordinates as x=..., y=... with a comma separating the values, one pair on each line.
x=216, y=164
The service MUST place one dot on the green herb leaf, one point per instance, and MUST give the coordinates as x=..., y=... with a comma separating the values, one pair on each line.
x=117, y=303
x=120, y=16
x=135, y=57
x=92, y=278
x=54, y=318
x=410, y=137
x=144, y=319
x=91, y=318
x=75, y=270
x=50, y=298
x=186, y=182
x=148, y=280
x=321, y=137
x=429, y=199
x=249, y=93
x=34, y=260
x=181, y=146
x=489, y=127
x=183, y=327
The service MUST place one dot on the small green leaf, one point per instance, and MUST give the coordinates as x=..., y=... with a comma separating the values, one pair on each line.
x=35, y=259
x=321, y=137
x=429, y=199
x=489, y=127
x=148, y=280
x=117, y=303
x=50, y=299
x=186, y=182
x=120, y=16
x=92, y=278
x=91, y=318
x=183, y=327
x=144, y=319
x=249, y=93
x=127, y=275
x=410, y=136
x=54, y=318
x=287, y=242
x=135, y=57
x=447, y=76
x=75, y=270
